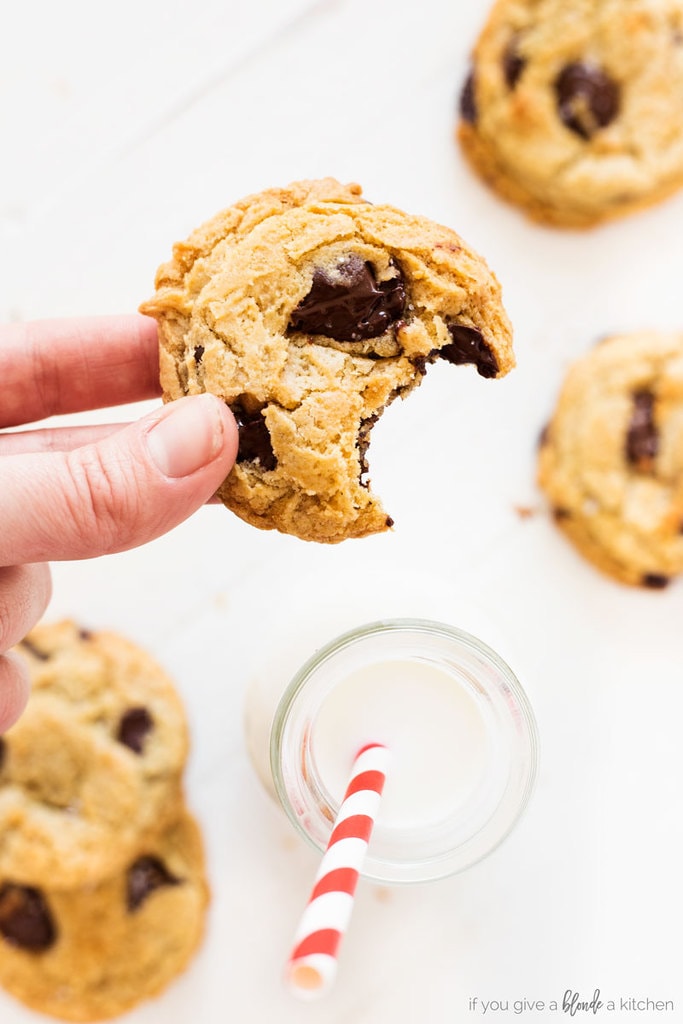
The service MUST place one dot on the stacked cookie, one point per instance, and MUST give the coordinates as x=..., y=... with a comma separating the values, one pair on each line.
x=102, y=886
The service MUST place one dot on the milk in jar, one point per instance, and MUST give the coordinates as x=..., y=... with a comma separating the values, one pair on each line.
x=457, y=722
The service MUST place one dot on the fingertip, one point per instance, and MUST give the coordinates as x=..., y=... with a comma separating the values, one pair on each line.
x=193, y=434
x=43, y=586
x=14, y=689
x=25, y=592
x=147, y=327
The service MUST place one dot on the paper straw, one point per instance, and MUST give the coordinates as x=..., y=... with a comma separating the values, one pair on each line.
x=312, y=964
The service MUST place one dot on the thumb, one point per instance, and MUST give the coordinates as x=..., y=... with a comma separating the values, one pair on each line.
x=14, y=691
x=121, y=492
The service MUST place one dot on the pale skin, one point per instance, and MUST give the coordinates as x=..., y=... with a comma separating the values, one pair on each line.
x=79, y=492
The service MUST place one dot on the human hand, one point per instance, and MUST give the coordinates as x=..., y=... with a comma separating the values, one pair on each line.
x=79, y=492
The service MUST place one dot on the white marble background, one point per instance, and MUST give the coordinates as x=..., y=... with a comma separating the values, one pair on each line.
x=125, y=125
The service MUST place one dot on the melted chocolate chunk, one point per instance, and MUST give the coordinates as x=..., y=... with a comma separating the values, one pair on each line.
x=468, y=103
x=25, y=918
x=642, y=438
x=144, y=876
x=350, y=305
x=198, y=353
x=513, y=64
x=468, y=346
x=587, y=98
x=134, y=726
x=3, y=752
x=655, y=580
x=254, y=444
x=35, y=651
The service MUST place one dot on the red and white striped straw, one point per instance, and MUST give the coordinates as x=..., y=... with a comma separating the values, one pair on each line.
x=312, y=964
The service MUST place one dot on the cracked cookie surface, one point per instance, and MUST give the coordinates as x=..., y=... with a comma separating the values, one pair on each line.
x=308, y=310
x=572, y=111
x=94, y=952
x=95, y=762
x=611, y=459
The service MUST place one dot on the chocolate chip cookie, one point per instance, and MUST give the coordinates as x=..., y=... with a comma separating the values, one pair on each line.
x=94, y=952
x=611, y=459
x=95, y=762
x=308, y=310
x=572, y=111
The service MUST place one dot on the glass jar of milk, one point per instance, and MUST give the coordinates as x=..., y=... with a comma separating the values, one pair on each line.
x=459, y=726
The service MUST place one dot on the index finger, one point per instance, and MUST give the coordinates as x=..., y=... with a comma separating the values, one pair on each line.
x=48, y=367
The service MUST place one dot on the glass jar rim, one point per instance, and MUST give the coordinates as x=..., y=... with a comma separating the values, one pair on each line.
x=510, y=712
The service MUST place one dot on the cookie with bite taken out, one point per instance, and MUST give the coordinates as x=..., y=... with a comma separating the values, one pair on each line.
x=308, y=309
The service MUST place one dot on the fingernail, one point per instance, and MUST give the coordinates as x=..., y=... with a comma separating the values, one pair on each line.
x=187, y=437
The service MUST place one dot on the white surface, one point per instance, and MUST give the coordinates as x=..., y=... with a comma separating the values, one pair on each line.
x=124, y=126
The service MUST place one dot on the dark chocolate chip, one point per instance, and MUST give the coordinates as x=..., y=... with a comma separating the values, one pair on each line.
x=421, y=362
x=587, y=98
x=144, y=876
x=363, y=444
x=254, y=444
x=655, y=580
x=468, y=103
x=350, y=304
x=642, y=437
x=561, y=513
x=3, y=752
x=84, y=634
x=468, y=346
x=134, y=726
x=198, y=353
x=35, y=651
x=25, y=918
x=544, y=436
x=513, y=64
